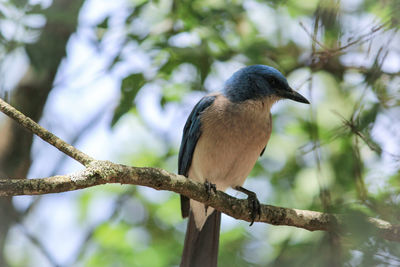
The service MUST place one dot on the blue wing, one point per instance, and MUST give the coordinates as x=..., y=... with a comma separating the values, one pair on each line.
x=262, y=151
x=191, y=134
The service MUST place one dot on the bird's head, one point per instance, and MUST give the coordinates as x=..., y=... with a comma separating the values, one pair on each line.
x=257, y=82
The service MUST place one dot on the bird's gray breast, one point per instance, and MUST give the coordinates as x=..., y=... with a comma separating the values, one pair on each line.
x=232, y=138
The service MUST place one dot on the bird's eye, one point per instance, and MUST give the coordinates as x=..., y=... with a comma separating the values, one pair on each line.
x=273, y=82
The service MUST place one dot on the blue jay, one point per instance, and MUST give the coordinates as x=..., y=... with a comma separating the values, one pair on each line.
x=223, y=137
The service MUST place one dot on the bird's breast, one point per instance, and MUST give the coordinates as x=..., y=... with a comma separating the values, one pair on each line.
x=232, y=138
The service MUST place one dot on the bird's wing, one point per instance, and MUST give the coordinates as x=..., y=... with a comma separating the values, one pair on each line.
x=191, y=134
x=262, y=151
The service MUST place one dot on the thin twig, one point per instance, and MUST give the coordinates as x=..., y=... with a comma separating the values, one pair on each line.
x=334, y=51
x=47, y=136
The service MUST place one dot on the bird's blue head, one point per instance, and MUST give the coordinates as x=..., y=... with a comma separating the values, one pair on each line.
x=257, y=82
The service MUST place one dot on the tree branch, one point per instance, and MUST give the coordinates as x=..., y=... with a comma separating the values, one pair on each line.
x=105, y=172
x=47, y=136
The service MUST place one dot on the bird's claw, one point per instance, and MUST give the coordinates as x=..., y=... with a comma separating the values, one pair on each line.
x=254, y=204
x=209, y=186
x=255, y=207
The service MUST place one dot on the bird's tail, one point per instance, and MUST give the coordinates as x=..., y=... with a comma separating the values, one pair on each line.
x=201, y=247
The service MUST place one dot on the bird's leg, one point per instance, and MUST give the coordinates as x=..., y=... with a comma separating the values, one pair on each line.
x=209, y=186
x=255, y=207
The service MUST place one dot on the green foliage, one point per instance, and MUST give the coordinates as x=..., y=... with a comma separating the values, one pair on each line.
x=129, y=88
x=332, y=156
x=318, y=161
x=318, y=158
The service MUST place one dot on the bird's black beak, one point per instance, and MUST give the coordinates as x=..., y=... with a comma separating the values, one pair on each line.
x=293, y=95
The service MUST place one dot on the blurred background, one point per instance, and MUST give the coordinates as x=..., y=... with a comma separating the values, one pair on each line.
x=117, y=79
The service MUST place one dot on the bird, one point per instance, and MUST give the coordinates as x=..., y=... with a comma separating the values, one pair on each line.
x=222, y=139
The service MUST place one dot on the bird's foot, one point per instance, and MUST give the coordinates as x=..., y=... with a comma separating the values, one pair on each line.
x=209, y=186
x=254, y=204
